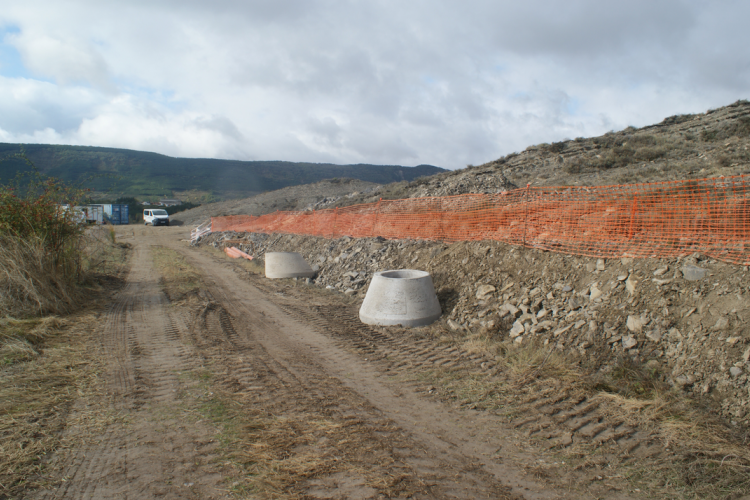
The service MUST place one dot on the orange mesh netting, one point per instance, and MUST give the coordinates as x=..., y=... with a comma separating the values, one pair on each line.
x=666, y=219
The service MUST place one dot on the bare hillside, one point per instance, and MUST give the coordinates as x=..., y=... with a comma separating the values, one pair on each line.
x=302, y=197
x=680, y=147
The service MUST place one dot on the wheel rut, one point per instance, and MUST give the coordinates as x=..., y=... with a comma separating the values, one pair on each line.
x=328, y=362
x=348, y=394
x=140, y=456
x=560, y=417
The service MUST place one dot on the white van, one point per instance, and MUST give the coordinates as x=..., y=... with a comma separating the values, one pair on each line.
x=155, y=217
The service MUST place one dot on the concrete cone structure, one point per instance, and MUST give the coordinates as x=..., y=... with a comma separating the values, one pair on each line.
x=403, y=297
x=287, y=265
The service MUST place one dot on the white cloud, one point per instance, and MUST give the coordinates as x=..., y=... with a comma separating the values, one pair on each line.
x=382, y=82
x=28, y=105
x=64, y=59
x=127, y=123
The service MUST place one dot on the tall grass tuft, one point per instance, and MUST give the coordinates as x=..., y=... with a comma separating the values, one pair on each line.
x=35, y=281
x=40, y=247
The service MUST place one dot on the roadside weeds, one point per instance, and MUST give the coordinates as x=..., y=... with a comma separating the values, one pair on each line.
x=55, y=385
x=703, y=457
x=49, y=380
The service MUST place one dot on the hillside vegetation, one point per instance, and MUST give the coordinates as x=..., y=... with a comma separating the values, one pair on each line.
x=123, y=172
x=694, y=146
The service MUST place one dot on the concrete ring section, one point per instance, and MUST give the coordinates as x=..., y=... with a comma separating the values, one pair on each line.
x=403, y=297
x=287, y=265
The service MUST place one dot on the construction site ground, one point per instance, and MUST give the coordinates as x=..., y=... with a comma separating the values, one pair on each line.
x=207, y=380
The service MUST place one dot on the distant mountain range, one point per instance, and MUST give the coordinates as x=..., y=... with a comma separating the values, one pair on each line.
x=124, y=172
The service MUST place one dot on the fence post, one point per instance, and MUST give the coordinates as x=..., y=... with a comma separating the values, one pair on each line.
x=632, y=216
x=442, y=222
x=335, y=219
x=712, y=211
x=377, y=212
x=526, y=216
x=743, y=211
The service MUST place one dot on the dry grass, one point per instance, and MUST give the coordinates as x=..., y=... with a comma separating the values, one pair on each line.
x=36, y=282
x=270, y=454
x=254, y=266
x=103, y=256
x=32, y=283
x=38, y=391
x=45, y=362
x=709, y=459
x=179, y=278
x=532, y=362
x=521, y=369
x=20, y=340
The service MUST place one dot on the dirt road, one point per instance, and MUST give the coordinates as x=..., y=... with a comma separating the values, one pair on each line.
x=265, y=389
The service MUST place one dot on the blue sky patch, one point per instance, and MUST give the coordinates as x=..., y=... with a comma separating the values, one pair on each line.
x=573, y=106
x=11, y=64
x=164, y=97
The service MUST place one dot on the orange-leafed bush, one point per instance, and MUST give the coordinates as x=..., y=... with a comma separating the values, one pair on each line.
x=40, y=247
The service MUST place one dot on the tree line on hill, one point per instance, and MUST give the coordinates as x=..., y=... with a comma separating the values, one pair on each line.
x=127, y=173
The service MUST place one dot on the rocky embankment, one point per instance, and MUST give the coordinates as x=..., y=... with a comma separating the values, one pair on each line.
x=684, y=319
x=302, y=197
x=709, y=144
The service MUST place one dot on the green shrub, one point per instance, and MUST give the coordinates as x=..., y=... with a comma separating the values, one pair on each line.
x=557, y=147
x=649, y=153
x=709, y=135
x=580, y=165
x=734, y=128
x=642, y=140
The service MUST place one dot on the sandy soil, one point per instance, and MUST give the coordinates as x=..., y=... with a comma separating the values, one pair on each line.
x=352, y=417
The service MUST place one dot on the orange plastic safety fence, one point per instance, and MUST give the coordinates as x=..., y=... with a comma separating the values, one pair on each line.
x=666, y=219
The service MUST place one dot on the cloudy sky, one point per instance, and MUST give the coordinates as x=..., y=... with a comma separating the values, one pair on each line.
x=393, y=82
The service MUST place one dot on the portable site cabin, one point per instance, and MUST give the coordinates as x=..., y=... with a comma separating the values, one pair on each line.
x=106, y=213
x=76, y=213
x=94, y=214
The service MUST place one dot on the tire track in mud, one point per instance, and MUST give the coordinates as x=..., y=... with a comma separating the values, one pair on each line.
x=144, y=457
x=114, y=345
x=310, y=364
x=294, y=383
x=562, y=418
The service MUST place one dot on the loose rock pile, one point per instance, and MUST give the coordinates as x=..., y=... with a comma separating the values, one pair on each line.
x=478, y=180
x=685, y=318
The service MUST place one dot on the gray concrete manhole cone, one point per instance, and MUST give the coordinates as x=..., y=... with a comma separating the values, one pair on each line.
x=287, y=265
x=403, y=297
